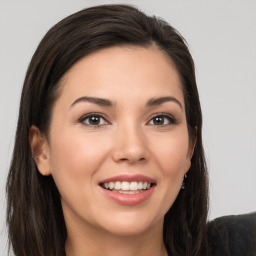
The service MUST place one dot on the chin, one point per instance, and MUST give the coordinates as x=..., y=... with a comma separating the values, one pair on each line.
x=125, y=230
x=131, y=225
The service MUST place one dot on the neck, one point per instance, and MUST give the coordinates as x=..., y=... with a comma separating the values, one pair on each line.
x=90, y=241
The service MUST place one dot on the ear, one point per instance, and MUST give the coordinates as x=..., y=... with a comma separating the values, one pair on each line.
x=40, y=150
x=191, y=148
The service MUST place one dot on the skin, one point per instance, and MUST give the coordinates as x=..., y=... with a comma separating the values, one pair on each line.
x=127, y=141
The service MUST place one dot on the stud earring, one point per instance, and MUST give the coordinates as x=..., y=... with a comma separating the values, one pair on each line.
x=44, y=173
x=183, y=182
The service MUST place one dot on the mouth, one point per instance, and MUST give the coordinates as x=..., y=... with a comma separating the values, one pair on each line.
x=126, y=187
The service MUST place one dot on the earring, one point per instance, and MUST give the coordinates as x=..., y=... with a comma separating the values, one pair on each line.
x=183, y=182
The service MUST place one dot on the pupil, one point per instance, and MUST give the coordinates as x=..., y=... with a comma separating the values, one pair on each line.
x=158, y=120
x=94, y=120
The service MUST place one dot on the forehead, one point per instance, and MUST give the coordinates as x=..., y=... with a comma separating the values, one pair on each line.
x=121, y=72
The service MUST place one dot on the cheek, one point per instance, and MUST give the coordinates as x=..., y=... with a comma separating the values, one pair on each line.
x=75, y=151
x=172, y=154
x=75, y=157
x=172, y=161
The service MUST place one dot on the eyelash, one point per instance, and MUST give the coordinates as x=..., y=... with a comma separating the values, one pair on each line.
x=91, y=115
x=170, y=119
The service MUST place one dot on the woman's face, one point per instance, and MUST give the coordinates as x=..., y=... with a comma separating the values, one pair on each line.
x=118, y=145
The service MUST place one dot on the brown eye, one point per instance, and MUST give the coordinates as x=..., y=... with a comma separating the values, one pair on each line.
x=93, y=120
x=161, y=120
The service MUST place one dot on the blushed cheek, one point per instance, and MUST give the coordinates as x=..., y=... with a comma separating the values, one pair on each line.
x=77, y=154
x=172, y=155
x=73, y=162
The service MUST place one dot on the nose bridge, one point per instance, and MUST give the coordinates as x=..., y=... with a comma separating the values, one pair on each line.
x=130, y=142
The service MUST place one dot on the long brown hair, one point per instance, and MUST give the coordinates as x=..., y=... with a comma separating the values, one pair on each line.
x=34, y=214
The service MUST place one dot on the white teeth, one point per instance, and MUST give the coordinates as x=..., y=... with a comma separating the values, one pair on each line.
x=111, y=185
x=118, y=185
x=134, y=185
x=125, y=186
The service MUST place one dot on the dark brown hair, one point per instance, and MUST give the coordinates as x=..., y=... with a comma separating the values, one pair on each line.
x=34, y=214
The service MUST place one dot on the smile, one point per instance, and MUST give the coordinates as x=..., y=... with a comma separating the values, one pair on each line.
x=126, y=187
x=128, y=190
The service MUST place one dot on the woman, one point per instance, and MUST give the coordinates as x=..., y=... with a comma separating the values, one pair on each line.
x=108, y=158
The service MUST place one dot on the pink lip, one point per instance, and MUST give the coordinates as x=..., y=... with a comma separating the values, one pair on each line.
x=129, y=178
x=129, y=199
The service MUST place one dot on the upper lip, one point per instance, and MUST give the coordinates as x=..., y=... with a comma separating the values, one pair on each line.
x=129, y=178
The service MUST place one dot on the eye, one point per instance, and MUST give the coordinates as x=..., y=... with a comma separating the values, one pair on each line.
x=93, y=120
x=162, y=120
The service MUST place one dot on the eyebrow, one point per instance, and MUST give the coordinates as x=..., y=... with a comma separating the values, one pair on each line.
x=95, y=100
x=161, y=100
x=108, y=103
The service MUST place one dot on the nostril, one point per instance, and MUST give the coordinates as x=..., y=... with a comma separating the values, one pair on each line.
x=130, y=149
x=131, y=159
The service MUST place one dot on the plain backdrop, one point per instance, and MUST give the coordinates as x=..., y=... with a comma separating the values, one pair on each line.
x=222, y=38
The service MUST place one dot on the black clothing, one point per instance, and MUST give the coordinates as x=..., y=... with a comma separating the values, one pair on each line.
x=233, y=235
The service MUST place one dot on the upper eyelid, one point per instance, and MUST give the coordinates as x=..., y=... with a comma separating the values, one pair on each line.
x=93, y=114
x=107, y=119
x=173, y=119
x=85, y=116
x=163, y=114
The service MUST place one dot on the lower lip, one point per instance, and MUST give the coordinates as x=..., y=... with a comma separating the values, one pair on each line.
x=129, y=199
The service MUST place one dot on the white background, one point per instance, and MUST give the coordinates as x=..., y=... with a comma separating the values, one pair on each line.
x=222, y=39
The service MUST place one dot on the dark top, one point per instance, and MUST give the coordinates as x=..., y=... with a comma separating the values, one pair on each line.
x=233, y=235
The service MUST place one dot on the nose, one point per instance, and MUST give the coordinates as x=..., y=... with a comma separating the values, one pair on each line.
x=130, y=145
